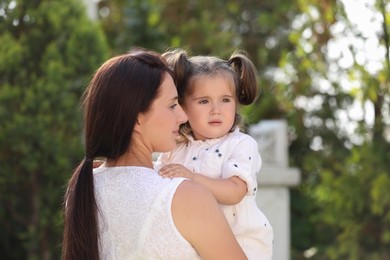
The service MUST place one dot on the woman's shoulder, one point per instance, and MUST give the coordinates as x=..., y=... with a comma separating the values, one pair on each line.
x=126, y=176
x=191, y=205
x=192, y=200
x=191, y=194
x=121, y=170
x=200, y=221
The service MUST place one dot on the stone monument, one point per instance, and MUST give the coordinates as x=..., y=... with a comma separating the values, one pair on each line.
x=274, y=180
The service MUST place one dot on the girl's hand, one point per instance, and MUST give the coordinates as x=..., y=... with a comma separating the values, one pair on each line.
x=176, y=170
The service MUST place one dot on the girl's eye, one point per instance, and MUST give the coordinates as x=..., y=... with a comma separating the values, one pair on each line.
x=203, y=102
x=226, y=100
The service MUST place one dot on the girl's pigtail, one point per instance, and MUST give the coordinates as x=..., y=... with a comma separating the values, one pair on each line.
x=247, y=90
x=177, y=60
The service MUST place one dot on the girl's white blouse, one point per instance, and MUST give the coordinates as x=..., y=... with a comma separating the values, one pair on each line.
x=235, y=154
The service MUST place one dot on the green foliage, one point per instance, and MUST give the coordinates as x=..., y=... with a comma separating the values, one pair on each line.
x=133, y=24
x=48, y=51
x=344, y=175
x=354, y=199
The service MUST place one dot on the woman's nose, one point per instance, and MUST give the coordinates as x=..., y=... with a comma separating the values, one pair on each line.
x=182, y=116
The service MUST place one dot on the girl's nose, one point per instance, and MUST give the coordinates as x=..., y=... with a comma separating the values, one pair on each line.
x=215, y=109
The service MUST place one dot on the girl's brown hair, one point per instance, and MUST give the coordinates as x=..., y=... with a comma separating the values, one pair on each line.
x=187, y=68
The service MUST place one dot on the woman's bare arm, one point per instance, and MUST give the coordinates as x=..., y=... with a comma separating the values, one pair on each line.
x=199, y=219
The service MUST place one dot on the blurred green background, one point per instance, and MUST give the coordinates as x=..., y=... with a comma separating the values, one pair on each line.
x=323, y=66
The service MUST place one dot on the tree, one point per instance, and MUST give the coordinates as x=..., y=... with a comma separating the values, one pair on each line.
x=344, y=158
x=341, y=210
x=48, y=51
x=159, y=25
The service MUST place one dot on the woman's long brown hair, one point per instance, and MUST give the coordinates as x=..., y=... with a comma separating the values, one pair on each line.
x=121, y=88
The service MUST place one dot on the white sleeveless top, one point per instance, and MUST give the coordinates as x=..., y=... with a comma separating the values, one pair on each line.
x=135, y=218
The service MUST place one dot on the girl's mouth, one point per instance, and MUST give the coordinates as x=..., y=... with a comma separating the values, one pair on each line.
x=215, y=122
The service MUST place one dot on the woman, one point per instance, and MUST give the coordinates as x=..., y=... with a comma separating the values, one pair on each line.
x=124, y=209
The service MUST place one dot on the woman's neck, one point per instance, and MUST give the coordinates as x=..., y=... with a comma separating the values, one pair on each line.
x=138, y=155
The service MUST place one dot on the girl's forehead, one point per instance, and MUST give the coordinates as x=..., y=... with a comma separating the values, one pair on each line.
x=211, y=86
x=218, y=75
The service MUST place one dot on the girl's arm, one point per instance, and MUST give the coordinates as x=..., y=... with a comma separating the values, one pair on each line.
x=228, y=191
x=201, y=222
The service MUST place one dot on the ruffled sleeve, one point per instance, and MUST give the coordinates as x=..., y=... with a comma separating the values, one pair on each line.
x=244, y=162
x=162, y=160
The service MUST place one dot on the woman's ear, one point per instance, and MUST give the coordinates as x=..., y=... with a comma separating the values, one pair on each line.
x=141, y=118
x=140, y=121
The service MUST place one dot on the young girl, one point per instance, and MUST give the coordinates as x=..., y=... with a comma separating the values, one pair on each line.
x=213, y=151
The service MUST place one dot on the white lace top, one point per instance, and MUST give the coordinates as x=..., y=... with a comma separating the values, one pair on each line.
x=135, y=219
x=235, y=154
